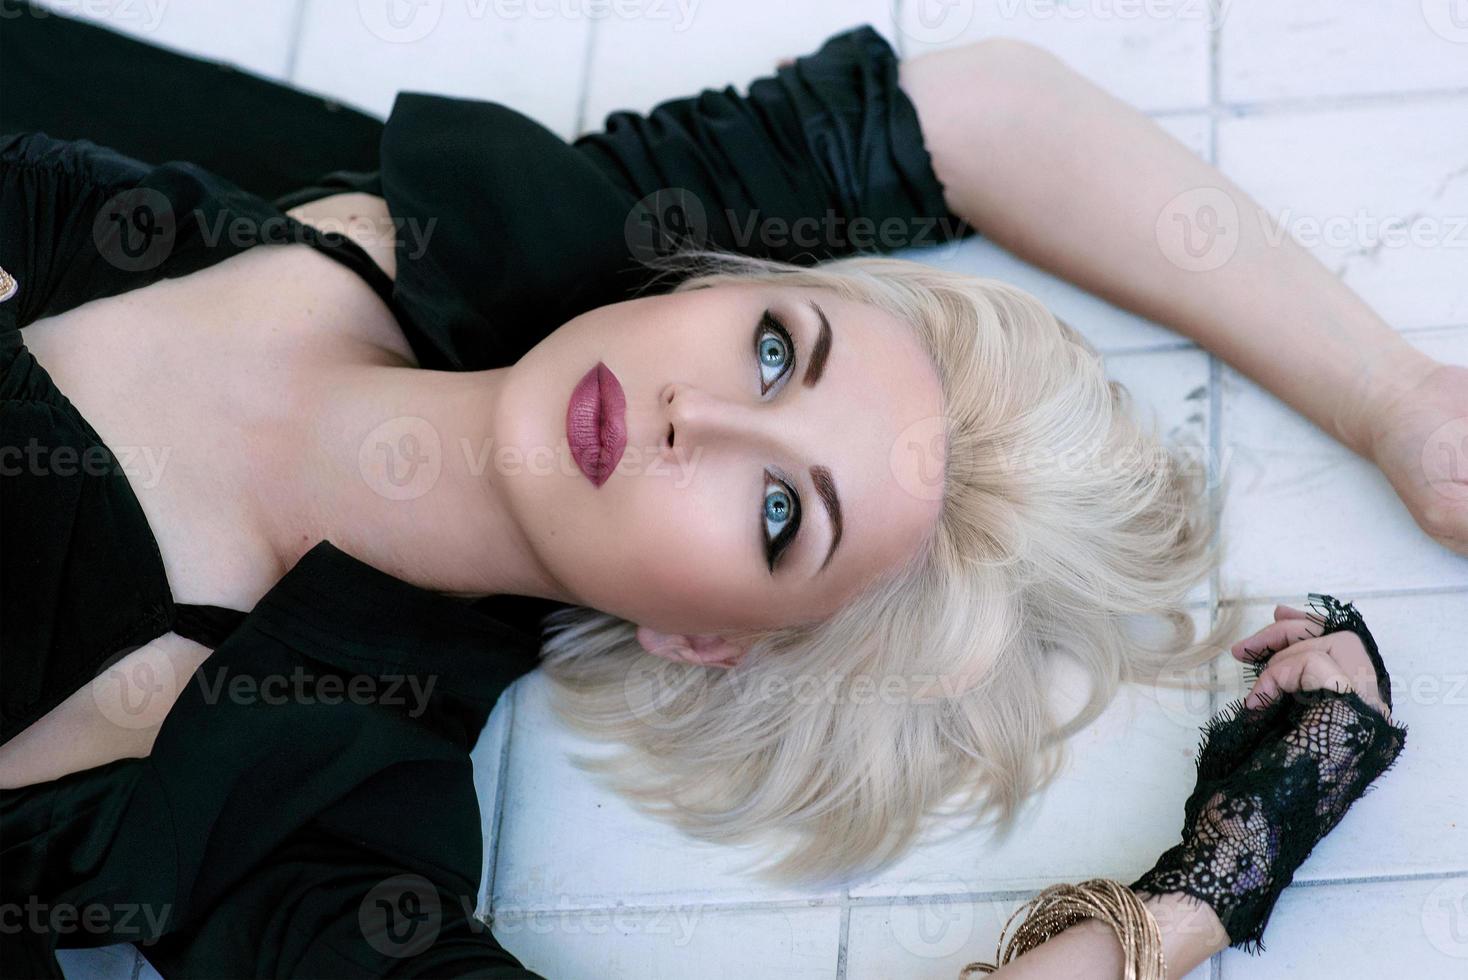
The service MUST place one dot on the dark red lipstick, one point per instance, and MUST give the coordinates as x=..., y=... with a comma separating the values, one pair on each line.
x=596, y=423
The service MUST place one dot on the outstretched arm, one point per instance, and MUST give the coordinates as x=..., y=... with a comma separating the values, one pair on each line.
x=1065, y=176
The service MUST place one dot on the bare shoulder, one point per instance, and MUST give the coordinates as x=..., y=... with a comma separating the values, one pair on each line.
x=364, y=218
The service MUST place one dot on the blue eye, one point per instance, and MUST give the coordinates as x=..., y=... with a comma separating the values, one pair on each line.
x=777, y=510
x=780, y=514
x=774, y=350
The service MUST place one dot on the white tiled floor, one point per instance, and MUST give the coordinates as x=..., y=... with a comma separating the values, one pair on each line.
x=1349, y=122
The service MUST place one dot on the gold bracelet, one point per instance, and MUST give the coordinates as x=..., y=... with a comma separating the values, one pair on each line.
x=1059, y=907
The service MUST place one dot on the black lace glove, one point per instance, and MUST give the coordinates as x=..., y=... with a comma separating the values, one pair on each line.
x=1272, y=782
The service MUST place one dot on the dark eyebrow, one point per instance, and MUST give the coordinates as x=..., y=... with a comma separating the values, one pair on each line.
x=820, y=351
x=826, y=490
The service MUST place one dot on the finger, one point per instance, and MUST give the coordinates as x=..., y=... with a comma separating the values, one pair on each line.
x=1318, y=671
x=1347, y=650
x=1282, y=611
x=1274, y=638
x=1295, y=671
x=1266, y=688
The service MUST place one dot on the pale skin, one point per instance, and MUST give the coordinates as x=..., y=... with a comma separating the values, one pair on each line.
x=1045, y=164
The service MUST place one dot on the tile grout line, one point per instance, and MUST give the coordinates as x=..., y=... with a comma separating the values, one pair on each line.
x=1430, y=327
x=293, y=48
x=1182, y=343
x=513, y=694
x=1215, y=376
x=584, y=99
x=1402, y=593
x=848, y=901
x=1312, y=103
x=842, y=937
x=1215, y=402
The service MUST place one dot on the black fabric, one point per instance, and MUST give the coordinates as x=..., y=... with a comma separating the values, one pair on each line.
x=830, y=140
x=76, y=80
x=205, y=625
x=278, y=836
x=80, y=574
x=1272, y=782
x=283, y=798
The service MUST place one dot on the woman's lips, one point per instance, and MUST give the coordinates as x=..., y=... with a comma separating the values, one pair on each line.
x=596, y=423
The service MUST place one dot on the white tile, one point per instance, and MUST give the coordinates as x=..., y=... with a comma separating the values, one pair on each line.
x=930, y=937
x=683, y=941
x=1416, y=929
x=255, y=35
x=1116, y=806
x=1153, y=55
x=1169, y=391
x=1302, y=514
x=527, y=54
x=1379, y=194
x=664, y=49
x=116, y=962
x=1273, y=50
x=566, y=841
x=488, y=758
x=1415, y=818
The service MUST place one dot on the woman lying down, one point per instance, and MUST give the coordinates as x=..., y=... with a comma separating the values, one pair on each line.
x=734, y=462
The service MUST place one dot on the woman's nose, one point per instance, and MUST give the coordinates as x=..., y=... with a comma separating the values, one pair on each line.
x=697, y=417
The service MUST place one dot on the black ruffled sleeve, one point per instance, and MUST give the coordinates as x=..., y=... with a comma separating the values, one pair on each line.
x=505, y=231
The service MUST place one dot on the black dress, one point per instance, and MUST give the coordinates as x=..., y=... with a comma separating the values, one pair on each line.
x=277, y=828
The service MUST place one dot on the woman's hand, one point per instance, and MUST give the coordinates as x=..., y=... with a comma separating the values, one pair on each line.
x=1299, y=657
x=1420, y=441
x=1277, y=773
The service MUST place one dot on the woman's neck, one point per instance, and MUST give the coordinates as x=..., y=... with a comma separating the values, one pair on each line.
x=394, y=467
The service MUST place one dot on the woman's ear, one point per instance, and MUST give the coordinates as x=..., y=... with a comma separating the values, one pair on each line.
x=704, y=649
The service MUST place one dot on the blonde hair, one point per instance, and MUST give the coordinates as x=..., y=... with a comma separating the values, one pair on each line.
x=1061, y=518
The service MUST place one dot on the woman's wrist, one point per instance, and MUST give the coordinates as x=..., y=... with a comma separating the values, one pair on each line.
x=1191, y=931
x=1386, y=384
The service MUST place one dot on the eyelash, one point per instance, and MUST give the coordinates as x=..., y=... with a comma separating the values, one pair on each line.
x=769, y=324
